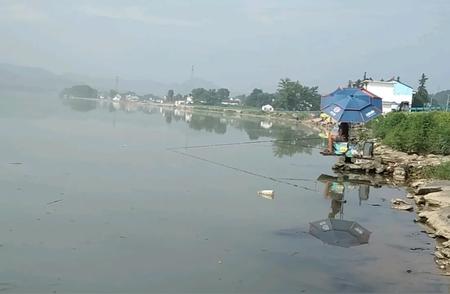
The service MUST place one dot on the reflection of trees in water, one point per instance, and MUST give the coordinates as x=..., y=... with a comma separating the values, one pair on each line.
x=253, y=129
x=80, y=104
x=168, y=116
x=208, y=123
x=288, y=141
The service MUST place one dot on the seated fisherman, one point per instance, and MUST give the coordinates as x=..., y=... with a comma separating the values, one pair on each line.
x=338, y=134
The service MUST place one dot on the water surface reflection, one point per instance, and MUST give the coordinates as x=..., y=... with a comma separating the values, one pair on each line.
x=288, y=139
x=101, y=203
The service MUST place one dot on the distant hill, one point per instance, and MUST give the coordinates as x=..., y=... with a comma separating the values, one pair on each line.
x=440, y=98
x=30, y=79
x=37, y=80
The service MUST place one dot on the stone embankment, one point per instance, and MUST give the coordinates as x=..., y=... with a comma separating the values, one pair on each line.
x=432, y=197
x=388, y=162
x=433, y=209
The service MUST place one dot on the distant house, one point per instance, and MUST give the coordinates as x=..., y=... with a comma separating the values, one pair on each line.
x=267, y=108
x=230, y=102
x=117, y=98
x=132, y=97
x=394, y=94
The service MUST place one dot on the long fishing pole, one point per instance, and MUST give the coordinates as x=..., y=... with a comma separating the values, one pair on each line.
x=244, y=143
x=242, y=170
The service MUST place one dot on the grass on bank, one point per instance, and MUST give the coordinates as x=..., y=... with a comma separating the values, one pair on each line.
x=441, y=171
x=422, y=133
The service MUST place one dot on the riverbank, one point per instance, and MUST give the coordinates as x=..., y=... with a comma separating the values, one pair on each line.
x=428, y=196
x=294, y=116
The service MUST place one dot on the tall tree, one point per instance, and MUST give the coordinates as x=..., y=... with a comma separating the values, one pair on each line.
x=199, y=95
x=294, y=96
x=82, y=91
x=210, y=97
x=258, y=98
x=223, y=94
x=421, y=97
x=170, y=95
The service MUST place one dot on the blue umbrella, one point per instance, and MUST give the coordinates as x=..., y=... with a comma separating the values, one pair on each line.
x=351, y=105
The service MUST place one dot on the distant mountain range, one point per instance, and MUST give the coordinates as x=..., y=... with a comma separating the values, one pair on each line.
x=14, y=78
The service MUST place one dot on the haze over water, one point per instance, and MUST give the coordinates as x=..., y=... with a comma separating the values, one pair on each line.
x=94, y=200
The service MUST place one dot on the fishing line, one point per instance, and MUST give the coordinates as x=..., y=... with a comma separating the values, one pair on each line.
x=243, y=170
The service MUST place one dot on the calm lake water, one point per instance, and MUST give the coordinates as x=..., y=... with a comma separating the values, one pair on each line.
x=109, y=198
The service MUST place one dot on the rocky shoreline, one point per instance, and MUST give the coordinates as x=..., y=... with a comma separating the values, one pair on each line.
x=432, y=199
x=429, y=198
x=400, y=166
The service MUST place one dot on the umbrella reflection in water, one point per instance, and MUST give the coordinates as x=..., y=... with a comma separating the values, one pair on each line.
x=338, y=232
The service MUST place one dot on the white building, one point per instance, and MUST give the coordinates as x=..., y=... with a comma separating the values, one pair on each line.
x=189, y=100
x=267, y=108
x=394, y=94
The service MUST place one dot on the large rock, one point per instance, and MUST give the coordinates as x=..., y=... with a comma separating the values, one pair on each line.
x=425, y=190
x=401, y=204
x=399, y=173
x=444, y=184
x=438, y=220
x=417, y=183
x=434, y=186
x=441, y=198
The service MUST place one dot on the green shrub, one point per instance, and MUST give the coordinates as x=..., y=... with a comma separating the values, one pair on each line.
x=441, y=171
x=427, y=132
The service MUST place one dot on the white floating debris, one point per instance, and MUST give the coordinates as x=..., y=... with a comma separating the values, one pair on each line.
x=268, y=194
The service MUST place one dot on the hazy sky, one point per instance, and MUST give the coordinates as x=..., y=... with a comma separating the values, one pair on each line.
x=236, y=44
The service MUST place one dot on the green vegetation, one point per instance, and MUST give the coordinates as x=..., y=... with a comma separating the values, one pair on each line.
x=258, y=98
x=82, y=91
x=296, y=97
x=290, y=95
x=211, y=96
x=441, y=171
x=427, y=132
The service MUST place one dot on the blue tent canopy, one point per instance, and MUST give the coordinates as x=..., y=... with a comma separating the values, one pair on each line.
x=351, y=105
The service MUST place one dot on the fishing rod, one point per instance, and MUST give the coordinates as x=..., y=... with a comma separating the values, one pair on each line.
x=298, y=179
x=243, y=170
x=244, y=143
